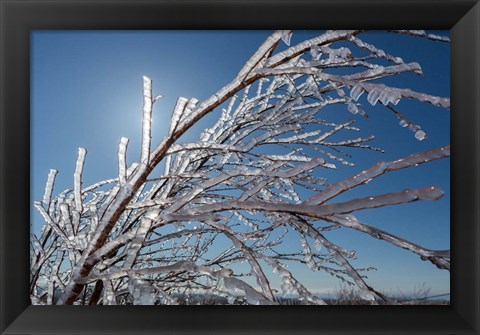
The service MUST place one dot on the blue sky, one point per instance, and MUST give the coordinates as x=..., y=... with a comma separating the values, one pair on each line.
x=86, y=92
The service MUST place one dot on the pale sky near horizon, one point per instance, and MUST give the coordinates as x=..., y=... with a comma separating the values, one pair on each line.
x=86, y=92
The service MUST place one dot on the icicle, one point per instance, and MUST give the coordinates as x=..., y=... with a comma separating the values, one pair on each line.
x=356, y=92
x=373, y=96
x=389, y=96
x=393, y=94
x=286, y=36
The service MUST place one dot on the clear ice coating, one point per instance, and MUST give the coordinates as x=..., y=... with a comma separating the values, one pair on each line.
x=286, y=36
x=352, y=108
x=420, y=135
x=49, y=187
x=366, y=295
x=373, y=96
x=146, y=119
x=356, y=92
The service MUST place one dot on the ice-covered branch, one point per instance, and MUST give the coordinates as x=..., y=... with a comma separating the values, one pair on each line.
x=376, y=92
x=377, y=170
x=146, y=120
x=47, y=195
x=326, y=38
x=422, y=33
x=122, y=160
x=436, y=257
x=176, y=267
x=405, y=196
x=177, y=114
x=77, y=179
x=264, y=50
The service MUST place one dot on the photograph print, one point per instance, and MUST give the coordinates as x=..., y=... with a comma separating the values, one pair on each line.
x=212, y=167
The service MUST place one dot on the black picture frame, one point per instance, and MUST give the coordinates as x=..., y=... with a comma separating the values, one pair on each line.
x=19, y=17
